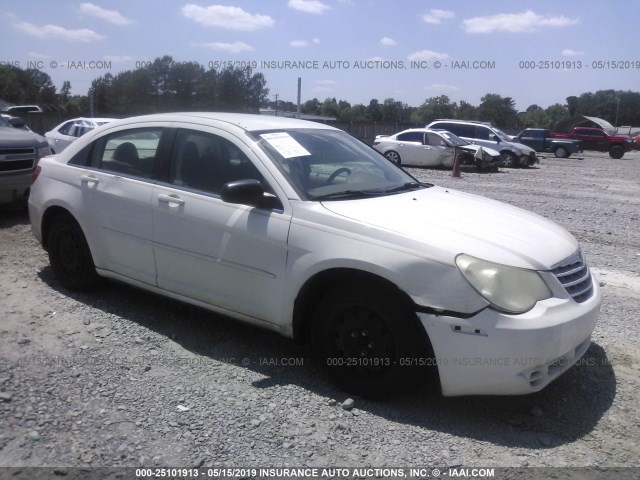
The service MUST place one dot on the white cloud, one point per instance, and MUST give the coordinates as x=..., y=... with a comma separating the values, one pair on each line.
x=309, y=6
x=427, y=55
x=527, y=21
x=299, y=43
x=441, y=87
x=376, y=59
x=236, y=47
x=388, y=42
x=230, y=18
x=54, y=31
x=326, y=82
x=112, y=16
x=118, y=58
x=567, y=52
x=436, y=16
x=316, y=41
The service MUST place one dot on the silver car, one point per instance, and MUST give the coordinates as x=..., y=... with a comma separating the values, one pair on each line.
x=434, y=148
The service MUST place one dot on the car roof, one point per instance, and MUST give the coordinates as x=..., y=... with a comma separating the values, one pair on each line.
x=453, y=120
x=245, y=121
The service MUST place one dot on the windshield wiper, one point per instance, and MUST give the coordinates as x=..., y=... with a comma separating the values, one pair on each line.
x=376, y=192
x=408, y=186
x=349, y=193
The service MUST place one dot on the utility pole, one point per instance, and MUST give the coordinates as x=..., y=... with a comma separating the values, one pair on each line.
x=276, y=104
x=617, y=110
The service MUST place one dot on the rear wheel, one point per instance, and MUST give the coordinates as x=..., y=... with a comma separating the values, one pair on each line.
x=70, y=256
x=393, y=156
x=369, y=341
x=561, y=152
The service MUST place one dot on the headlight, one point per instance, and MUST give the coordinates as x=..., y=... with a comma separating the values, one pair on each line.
x=510, y=289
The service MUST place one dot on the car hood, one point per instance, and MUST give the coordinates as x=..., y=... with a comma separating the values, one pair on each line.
x=440, y=223
x=474, y=148
x=521, y=146
x=14, y=138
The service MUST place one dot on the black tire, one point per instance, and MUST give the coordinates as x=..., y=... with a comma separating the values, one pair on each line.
x=69, y=255
x=616, y=152
x=366, y=339
x=509, y=160
x=393, y=156
x=561, y=152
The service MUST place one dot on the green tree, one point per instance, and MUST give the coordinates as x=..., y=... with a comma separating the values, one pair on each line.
x=498, y=110
x=374, y=111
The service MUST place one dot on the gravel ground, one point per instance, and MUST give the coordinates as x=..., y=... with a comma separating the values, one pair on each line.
x=121, y=377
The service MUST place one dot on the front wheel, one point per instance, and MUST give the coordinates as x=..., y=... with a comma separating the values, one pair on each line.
x=616, y=152
x=369, y=341
x=509, y=160
x=70, y=256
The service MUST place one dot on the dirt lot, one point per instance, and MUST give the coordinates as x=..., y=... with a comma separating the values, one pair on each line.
x=125, y=378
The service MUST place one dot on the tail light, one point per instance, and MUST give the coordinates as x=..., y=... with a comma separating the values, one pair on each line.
x=34, y=175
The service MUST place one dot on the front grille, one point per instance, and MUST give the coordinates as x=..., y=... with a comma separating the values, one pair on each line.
x=14, y=165
x=17, y=159
x=575, y=277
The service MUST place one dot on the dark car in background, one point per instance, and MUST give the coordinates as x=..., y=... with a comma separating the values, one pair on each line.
x=20, y=151
x=540, y=140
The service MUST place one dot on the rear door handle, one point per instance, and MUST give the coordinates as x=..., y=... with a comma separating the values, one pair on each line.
x=170, y=199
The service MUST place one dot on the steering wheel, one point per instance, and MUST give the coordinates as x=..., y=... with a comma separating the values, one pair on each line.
x=333, y=176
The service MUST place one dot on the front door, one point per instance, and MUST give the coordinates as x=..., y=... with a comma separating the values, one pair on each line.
x=227, y=255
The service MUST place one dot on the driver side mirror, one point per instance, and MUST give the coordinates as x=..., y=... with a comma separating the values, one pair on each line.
x=249, y=192
x=16, y=122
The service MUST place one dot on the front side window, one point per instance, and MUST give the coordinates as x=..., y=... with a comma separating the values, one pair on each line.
x=435, y=140
x=128, y=152
x=204, y=161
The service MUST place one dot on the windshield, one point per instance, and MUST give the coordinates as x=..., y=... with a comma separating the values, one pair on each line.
x=455, y=140
x=322, y=164
x=503, y=136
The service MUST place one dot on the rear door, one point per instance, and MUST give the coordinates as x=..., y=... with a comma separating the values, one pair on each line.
x=228, y=255
x=116, y=192
x=410, y=146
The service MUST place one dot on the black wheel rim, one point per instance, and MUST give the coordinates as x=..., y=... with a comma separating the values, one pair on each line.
x=69, y=252
x=362, y=338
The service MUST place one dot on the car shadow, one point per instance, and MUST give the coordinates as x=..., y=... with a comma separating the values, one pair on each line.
x=563, y=412
x=12, y=215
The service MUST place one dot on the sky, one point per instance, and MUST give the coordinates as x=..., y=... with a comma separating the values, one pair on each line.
x=534, y=52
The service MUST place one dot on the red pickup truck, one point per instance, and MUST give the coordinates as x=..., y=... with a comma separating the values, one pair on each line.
x=596, y=139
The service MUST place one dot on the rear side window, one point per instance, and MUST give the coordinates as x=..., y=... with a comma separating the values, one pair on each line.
x=411, y=137
x=129, y=152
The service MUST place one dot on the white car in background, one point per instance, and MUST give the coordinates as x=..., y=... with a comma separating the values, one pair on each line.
x=69, y=131
x=424, y=147
x=300, y=228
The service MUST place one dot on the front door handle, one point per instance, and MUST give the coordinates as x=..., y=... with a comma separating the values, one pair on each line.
x=170, y=199
x=89, y=179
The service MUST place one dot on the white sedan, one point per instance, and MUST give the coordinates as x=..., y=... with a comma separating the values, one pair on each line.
x=63, y=135
x=298, y=227
x=434, y=148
